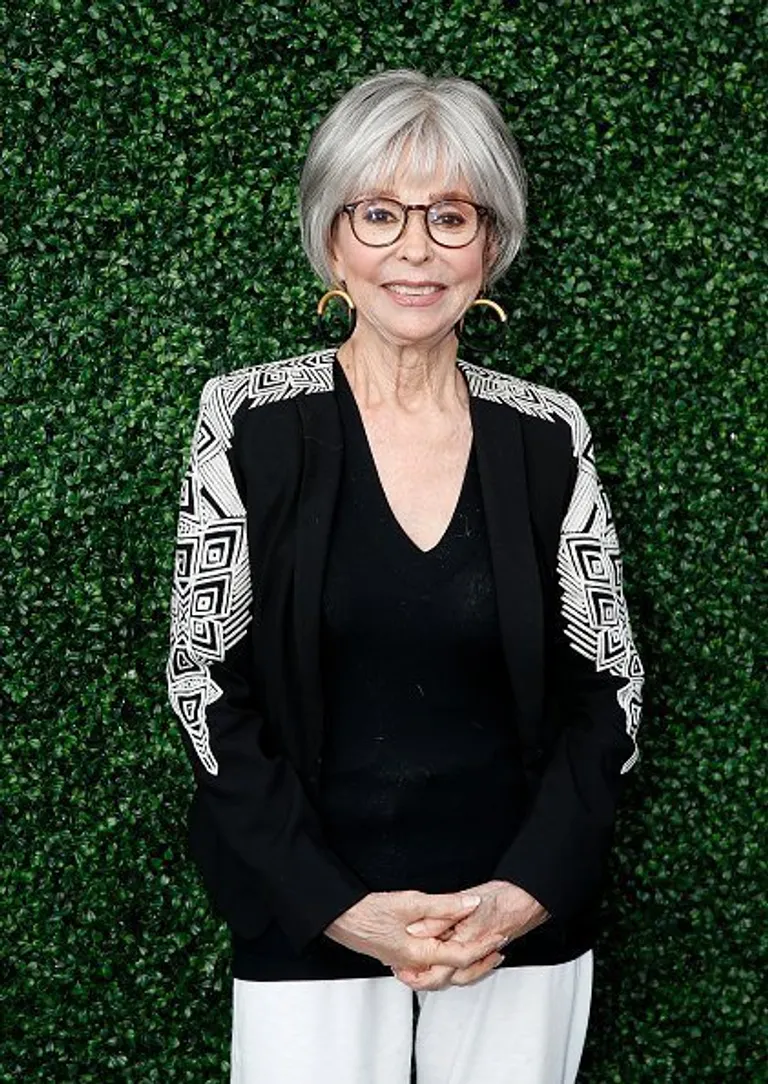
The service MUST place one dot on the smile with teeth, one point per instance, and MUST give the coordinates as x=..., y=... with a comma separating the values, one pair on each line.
x=401, y=288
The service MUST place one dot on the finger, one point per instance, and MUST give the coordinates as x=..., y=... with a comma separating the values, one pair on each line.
x=466, y=933
x=453, y=953
x=430, y=927
x=439, y=913
x=476, y=923
x=455, y=905
x=433, y=978
x=468, y=975
x=409, y=974
x=476, y=927
x=465, y=925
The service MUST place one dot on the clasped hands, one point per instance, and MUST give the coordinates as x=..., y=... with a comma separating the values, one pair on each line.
x=434, y=941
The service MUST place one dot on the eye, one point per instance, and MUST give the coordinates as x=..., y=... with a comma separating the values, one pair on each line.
x=378, y=213
x=448, y=219
x=450, y=215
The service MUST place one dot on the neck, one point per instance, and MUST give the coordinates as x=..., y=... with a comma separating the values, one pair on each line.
x=410, y=377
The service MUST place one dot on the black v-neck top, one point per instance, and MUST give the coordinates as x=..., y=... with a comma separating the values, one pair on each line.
x=422, y=783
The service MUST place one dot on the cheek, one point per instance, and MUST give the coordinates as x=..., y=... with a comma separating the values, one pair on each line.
x=470, y=270
x=468, y=264
x=365, y=265
x=354, y=261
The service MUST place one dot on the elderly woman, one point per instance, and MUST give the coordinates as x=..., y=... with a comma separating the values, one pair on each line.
x=400, y=651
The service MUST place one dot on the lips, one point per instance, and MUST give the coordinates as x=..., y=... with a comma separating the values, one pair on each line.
x=414, y=289
x=414, y=295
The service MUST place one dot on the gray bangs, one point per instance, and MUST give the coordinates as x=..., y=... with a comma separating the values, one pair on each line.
x=404, y=121
x=420, y=151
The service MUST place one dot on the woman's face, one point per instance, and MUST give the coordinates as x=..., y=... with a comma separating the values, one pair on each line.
x=413, y=291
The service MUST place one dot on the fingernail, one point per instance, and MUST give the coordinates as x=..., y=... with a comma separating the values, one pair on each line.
x=470, y=901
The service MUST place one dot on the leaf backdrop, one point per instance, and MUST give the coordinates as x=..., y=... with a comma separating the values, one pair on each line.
x=149, y=240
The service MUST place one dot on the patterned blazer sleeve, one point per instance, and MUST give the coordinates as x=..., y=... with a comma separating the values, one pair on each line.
x=560, y=851
x=256, y=801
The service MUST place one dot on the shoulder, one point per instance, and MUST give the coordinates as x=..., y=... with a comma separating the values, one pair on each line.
x=228, y=413
x=535, y=403
x=269, y=382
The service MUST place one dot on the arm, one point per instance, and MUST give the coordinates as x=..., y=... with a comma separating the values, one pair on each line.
x=559, y=854
x=256, y=801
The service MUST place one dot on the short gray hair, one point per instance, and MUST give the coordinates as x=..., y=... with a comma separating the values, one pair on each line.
x=444, y=121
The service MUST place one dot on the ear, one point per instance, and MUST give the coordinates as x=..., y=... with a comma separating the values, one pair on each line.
x=490, y=253
x=334, y=257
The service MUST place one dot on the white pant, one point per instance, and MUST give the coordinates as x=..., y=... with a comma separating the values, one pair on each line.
x=518, y=1025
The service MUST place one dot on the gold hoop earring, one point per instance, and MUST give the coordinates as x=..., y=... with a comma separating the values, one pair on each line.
x=479, y=348
x=494, y=305
x=322, y=325
x=335, y=292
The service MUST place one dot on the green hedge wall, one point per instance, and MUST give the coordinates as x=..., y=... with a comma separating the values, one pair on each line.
x=150, y=156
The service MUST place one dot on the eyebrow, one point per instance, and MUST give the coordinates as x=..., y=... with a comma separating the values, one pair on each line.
x=454, y=193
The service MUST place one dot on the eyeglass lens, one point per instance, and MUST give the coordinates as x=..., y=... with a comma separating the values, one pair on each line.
x=449, y=222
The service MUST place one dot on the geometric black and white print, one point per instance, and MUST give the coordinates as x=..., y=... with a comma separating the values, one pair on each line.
x=589, y=569
x=211, y=595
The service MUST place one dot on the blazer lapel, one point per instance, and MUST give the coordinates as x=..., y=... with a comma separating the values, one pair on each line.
x=501, y=464
x=321, y=472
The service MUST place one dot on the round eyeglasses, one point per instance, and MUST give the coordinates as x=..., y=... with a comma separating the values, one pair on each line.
x=452, y=223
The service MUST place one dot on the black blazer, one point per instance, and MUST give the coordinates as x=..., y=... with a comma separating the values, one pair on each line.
x=243, y=671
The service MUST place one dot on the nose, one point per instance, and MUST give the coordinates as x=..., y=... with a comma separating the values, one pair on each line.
x=415, y=243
